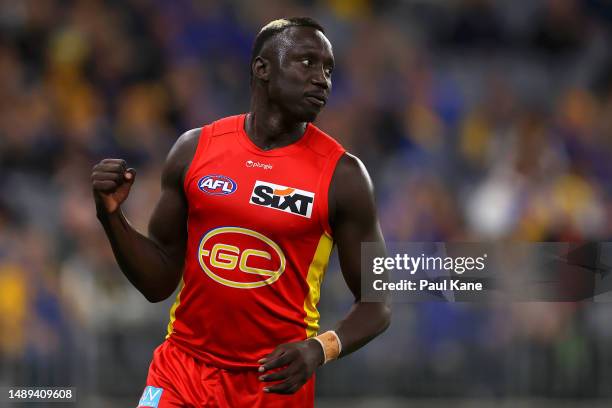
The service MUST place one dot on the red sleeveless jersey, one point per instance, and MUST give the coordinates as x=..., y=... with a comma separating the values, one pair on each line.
x=258, y=244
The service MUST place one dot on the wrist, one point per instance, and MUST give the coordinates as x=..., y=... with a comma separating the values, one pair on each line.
x=330, y=344
x=103, y=214
x=318, y=350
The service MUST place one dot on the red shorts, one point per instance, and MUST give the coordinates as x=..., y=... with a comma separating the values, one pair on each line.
x=176, y=379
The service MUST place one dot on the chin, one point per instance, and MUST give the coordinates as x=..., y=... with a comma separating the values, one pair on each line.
x=311, y=118
x=304, y=114
x=310, y=115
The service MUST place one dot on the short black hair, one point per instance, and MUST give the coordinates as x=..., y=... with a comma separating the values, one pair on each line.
x=278, y=26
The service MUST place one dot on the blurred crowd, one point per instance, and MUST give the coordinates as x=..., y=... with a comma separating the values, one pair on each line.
x=478, y=120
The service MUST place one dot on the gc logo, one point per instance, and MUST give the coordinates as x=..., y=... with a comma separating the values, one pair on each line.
x=240, y=258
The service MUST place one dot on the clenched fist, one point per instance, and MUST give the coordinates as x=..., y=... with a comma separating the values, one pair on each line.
x=111, y=181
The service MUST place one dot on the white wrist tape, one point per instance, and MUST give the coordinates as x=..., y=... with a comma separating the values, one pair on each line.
x=331, y=345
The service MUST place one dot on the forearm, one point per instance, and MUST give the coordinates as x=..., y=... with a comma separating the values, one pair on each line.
x=363, y=323
x=146, y=265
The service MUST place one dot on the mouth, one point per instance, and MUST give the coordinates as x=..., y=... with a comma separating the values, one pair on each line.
x=317, y=100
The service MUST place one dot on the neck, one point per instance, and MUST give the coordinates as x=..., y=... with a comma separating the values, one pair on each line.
x=269, y=128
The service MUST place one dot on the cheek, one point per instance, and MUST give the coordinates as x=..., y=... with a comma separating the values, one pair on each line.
x=290, y=76
x=286, y=87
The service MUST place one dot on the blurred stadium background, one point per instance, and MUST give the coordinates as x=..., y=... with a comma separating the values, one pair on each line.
x=478, y=120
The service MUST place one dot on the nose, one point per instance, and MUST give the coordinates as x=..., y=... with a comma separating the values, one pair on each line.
x=320, y=79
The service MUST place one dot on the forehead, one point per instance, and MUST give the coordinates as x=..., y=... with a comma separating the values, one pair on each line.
x=302, y=39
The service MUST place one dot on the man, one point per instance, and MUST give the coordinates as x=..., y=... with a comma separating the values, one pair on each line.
x=245, y=221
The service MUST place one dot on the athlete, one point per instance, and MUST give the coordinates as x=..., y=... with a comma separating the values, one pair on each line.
x=251, y=206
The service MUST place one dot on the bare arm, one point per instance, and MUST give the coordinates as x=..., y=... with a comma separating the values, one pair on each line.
x=354, y=220
x=152, y=264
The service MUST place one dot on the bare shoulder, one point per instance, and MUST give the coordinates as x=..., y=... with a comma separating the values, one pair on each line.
x=181, y=155
x=351, y=179
x=351, y=193
x=185, y=146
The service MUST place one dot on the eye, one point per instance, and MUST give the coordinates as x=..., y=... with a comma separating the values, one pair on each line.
x=307, y=62
x=328, y=71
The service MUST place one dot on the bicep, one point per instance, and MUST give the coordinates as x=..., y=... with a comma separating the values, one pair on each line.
x=168, y=224
x=355, y=219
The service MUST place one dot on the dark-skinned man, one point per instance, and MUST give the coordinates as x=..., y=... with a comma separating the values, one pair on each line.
x=251, y=206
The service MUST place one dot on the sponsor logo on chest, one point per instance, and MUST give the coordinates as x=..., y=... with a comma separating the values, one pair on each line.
x=255, y=164
x=282, y=198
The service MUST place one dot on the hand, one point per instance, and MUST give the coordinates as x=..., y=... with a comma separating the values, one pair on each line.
x=299, y=361
x=111, y=181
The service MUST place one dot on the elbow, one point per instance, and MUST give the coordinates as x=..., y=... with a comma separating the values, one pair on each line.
x=161, y=290
x=156, y=296
x=385, y=317
x=152, y=299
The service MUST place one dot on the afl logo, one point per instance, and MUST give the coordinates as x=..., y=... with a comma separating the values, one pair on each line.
x=240, y=258
x=216, y=184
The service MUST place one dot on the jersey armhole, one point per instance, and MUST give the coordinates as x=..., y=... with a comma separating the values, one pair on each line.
x=323, y=189
x=203, y=143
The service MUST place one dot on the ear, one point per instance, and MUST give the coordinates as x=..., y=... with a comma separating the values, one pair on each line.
x=261, y=68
